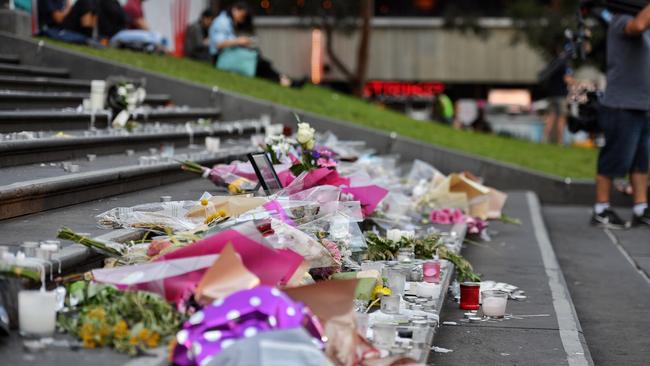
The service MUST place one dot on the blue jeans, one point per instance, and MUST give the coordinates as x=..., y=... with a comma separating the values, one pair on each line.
x=627, y=142
x=65, y=35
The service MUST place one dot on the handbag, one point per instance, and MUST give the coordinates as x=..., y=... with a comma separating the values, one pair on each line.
x=239, y=60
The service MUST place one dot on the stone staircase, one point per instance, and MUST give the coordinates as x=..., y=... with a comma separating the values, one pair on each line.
x=54, y=155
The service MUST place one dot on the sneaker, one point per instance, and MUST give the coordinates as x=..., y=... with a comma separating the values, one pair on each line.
x=643, y=220
x=608, y=220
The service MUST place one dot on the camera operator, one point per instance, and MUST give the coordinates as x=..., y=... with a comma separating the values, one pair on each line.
x=624, y=119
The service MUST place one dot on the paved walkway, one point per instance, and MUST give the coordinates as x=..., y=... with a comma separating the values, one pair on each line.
x=522, y=256
x=606, y=273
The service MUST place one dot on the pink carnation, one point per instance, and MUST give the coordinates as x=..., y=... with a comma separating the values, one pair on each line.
x=447, y=216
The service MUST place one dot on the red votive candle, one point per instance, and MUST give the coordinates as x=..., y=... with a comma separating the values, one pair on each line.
x=469, y=292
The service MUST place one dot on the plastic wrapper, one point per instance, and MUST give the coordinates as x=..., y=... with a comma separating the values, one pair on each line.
x=286, y=236
x=171, y=279
x=153, y=216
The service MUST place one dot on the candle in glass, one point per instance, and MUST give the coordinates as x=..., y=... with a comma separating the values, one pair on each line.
x=494, y=303
x=469, y=292
x=37, y=312
x=396, y=282
x=384, y=334
x=427, y=290
x=390, y=304
x=431, y=270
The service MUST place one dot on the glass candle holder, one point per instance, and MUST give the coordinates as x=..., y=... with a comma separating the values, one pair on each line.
x=29, y=248
x=494, y=303
x=405, y=254
x=370, y=265
x=384, y=334
x=420, y=328
x=362, y=323
x=431, y=271
x=390, y=304
x=37, y=312
x=469, y=293
x=396, y=282
x=426, y=290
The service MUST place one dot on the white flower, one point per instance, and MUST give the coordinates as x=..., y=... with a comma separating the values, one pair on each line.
x=121, y=91
x=394, y=235
x=397, y=234
x=310, y=144
x=141, y=94
x=305, y=133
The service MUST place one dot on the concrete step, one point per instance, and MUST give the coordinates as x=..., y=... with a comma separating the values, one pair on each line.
x=18, y=99
x=13, y=70
x=71, y=119
x=43, y=84
x=81, y=143
x=9, y=59
x=30, y=189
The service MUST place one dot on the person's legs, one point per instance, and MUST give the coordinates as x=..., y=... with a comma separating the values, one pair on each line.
x=639, y=176
x=266, y=71
x=549, y=120
x=615, y=159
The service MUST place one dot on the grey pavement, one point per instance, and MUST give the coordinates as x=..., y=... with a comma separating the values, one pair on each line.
x=513, y=256
x=609, y=292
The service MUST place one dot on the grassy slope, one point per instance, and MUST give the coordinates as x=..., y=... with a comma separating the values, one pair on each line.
x=559, y=161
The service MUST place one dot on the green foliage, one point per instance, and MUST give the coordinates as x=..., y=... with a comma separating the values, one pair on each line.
x=380, y=248
x=558, y=161
x=128, y=321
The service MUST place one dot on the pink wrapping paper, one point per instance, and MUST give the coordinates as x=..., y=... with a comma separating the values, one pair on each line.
x=271, y=266
x=369, y=196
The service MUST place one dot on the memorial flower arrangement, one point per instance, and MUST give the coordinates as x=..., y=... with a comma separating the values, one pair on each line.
x=279, y=148
x=127, y=321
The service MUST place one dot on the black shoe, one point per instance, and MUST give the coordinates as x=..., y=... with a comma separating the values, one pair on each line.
x=299, y=83
x=608, y=220
x=643, y=220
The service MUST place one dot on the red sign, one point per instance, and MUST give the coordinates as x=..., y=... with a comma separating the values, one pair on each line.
x=402, y=89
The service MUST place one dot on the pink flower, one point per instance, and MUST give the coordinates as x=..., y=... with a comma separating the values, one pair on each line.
x=447, y=216
x=326, y=163
x=475, y=226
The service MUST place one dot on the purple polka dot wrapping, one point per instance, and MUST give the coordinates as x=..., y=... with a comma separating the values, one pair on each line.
x=240, y=315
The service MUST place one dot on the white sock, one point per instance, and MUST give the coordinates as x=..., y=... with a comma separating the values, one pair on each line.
x=599, y=208
x=640, y=208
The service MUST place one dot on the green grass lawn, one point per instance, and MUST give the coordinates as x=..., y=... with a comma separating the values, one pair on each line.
x=559, y=161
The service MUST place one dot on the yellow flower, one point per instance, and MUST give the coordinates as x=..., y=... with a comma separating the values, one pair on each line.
x=133, y=340
x=88, y=343
x=214, y=216
x=152, y=341
x=204, y=201
x=234, y=187
x=121, y=330
x=97, y=313
x=380, y=291
x=144, y=334
x=87, y=330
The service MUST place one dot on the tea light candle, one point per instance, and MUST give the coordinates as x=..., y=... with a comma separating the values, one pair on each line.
x=37, y=312
x=390, y=304
x=494, y=303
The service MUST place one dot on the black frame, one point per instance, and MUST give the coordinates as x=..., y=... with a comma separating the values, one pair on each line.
x=258, y=171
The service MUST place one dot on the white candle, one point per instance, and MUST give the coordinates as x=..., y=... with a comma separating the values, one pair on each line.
x=494, y=306
x=425, y=289
x=37, y=312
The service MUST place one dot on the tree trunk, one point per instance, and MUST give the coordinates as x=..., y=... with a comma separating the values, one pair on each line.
x=367, y=10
